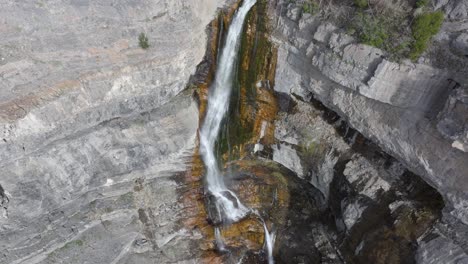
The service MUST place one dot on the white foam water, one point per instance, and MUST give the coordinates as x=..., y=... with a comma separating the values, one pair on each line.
x=228, y=205
x=269, y=243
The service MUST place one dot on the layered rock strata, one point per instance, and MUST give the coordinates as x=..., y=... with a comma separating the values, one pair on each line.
x=398, y=106
x=95, y=130
x=416, y=112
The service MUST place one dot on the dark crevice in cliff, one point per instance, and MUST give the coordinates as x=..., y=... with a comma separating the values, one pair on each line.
x=4, y=200
x=388, y=226
x=390, y=220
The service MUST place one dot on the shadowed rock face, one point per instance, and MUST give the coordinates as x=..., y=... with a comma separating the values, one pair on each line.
x=371, y=210
x=408, y=109
x=399, y=107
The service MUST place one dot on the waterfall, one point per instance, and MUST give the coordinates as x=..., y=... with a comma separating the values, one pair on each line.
x=228, y=206
x=269, y=243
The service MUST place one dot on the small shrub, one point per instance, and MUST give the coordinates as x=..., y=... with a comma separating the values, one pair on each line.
x=370, y=30
x=387, y=31
x=361, y=3
x=73, y=243
x=143, y=41
x=401, y=50
x=422, y=3
x=424, y=28
x=310, y=7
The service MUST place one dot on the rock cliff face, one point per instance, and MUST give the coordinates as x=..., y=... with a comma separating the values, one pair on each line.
x=98, y=140
x=94, y=129
x=414, y=111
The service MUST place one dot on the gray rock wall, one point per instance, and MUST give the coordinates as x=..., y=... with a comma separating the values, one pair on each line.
x=393, y=104
x=95, y=130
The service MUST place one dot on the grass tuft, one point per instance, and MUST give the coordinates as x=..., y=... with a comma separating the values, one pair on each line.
x=143, y=41
x=425, y=26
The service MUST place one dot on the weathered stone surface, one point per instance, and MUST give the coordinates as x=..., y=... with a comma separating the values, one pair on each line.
x=456, y=9
x=352, y=213
x=312, y=143
x=436, y=249
x=375, y=207
x=368, y=179
x=453, y=120
x=460, y=44
x=323, y=32
x=394, y=105
x=406, y=133
x=95, y=130
x=286, y=155
x=407, y=85
x=100, y=191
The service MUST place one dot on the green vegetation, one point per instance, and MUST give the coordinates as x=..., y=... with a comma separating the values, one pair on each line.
x=310, y=7
x=143, y=41
x=422, y=3
x=386, y=32
x=361, y=3
x=372, y=30
x=73, y=244
x=397, y=33
x=424, y=27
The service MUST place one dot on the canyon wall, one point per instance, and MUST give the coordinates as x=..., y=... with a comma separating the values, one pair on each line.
x=98, y=136
x=96, y=130
x=415, y=111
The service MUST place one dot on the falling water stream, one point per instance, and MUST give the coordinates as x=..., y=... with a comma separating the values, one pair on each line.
x=228, y=207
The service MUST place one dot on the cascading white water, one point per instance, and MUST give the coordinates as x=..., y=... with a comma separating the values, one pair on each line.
x=219, y=240
x=269, y=243
x=228, y=207
x=227, y=204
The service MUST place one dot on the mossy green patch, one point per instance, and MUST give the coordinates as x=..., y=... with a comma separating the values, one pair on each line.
x=280, y=178
x=361, y=3
x=252, y=66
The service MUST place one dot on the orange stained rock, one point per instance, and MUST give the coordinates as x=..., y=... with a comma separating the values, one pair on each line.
x=19, y=107
x=253, y=112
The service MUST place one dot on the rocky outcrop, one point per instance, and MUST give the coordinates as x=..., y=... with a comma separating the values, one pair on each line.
x=98, y=139
x=372, y=208
x=390, y=103
x=455, y=10
x=435, y=248
x=96, y=130
x=109, y=189
x=407, y=108
x=453, y=120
